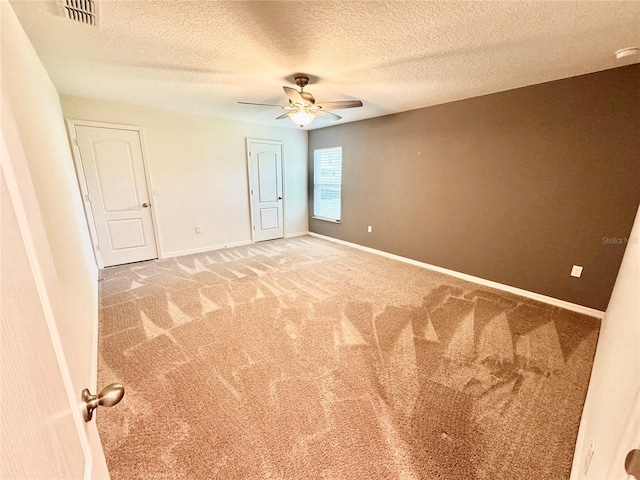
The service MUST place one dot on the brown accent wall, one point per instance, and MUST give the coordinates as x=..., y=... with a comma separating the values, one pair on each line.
x=514, y=187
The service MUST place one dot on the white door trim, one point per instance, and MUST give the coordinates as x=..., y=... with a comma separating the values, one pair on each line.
x=82, y=183
x=284, y=196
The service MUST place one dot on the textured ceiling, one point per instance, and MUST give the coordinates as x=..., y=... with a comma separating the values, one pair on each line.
x=205, y=56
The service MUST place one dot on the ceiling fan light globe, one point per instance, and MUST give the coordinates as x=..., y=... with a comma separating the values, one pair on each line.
x=301, y=117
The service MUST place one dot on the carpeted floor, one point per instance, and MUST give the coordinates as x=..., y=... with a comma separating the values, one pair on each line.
x=304, y=359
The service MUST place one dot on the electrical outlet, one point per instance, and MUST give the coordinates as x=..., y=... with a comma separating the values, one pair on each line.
x=576, y=271
x=369, y=229
x=198, y=229
x=589, y=456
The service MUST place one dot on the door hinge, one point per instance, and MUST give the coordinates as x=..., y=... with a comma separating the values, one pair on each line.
x=97, y=248
x=252, y=191
x=254, y=227
x=74, y=140
x=87, y=197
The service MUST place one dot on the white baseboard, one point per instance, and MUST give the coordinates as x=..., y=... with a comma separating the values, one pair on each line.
x=298, y=234
x=205, y=249
x=220, y=247
x=592, y=312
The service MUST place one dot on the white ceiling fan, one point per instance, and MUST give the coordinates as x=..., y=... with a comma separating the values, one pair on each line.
x=303, y=107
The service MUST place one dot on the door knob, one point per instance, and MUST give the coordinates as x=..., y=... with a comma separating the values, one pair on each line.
x=108, y=397
x=279, y=198
x=145, y=205
x=632, y=463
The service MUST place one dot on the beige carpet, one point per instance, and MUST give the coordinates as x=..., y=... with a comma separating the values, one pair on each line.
x=304, y=359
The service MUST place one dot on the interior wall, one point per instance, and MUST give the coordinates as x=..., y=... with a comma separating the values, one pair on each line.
x=33, y=127
x=514, y=187
x=612, y=407
x=38, y=130
x=199, y=166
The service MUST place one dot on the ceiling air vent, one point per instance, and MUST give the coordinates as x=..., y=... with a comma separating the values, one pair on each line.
x=82, y=11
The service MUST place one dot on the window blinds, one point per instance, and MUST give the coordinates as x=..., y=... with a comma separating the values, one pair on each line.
x=327, y=183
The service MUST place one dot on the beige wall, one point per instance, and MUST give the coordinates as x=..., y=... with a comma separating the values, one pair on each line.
x=199, y=165
x=514, y=187
x=611, y=414
x=33, y=127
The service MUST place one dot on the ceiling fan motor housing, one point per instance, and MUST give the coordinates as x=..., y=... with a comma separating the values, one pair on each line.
x=302, y=81
x=308, y=97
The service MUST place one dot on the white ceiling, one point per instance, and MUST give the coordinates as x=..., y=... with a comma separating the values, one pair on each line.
x=205, y=56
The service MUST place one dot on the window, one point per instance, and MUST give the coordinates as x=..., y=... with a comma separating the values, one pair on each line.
x=327, y=183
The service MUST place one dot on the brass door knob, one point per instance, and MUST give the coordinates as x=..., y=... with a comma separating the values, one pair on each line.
x=145, y=205
x=108, y=397
x=632, y=463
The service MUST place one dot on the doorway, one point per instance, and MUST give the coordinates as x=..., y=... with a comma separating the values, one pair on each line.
x=113, y=180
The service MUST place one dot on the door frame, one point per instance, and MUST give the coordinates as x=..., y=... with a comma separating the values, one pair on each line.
x=82, y=182
x=284, y=196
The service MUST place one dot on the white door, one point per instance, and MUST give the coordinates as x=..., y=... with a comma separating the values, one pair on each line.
x=265, y=178
x=42, y=431
x=116, y=183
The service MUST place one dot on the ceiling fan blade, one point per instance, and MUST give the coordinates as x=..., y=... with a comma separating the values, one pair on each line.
x=294, y=95
x=332, y=116
x=284, y=115
x=264, y=105
x=340, y=104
